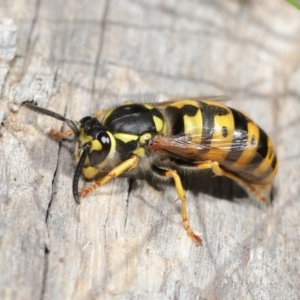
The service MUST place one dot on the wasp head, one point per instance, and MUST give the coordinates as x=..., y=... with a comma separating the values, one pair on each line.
x=96, y=145
x=98, y=139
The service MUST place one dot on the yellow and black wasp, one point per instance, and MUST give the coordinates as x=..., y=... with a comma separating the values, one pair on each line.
x=161, y=139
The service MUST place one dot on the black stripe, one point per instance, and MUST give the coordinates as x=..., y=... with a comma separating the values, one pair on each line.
x=208, y=123
x=189, y=110
x=257, y=179
x=270, y=170
x=176, y=117
x=261, y=152
x=176, y=120
x=262, y=148
x=240, y=135
x=274, y=162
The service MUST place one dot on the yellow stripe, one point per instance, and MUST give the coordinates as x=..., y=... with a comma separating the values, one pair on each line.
x=193, y=125
x=140, y=152
x=269, y=178
x=148, y=106
x=249, y=151
x=159, y=123
x=145, y=137
x=125, y=137
x=266, y=162
x=221, y=145
x=182, y=103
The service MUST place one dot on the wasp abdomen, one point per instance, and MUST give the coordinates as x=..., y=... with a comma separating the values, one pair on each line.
x=209, y=131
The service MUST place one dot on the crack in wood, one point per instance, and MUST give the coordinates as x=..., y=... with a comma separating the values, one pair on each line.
x=101, y=42
x=45, y=272
x=130, y=184
x=53, y=182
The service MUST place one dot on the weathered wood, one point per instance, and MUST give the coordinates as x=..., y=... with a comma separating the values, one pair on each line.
x=126, y=240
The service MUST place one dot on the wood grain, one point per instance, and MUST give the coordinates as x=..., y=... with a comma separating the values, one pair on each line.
x=126, y=240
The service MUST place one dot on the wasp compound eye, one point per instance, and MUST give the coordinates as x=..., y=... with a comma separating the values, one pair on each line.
x=100, y=148
x=104, y=139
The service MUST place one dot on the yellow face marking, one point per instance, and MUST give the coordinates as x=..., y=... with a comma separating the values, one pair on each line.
x=96, y=145
x=159, y=123
x=140, y=152
x=83, y=137
x=89, y=172
x=124, y=137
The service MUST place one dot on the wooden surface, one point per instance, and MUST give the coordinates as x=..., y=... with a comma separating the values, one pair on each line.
x=126, y=240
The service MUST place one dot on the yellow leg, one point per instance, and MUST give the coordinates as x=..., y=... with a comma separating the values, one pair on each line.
x=124, y=166
x=182, y=197
x=215, y=167
x=59, y=135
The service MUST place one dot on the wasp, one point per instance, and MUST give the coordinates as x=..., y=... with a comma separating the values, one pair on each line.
x=162, y=139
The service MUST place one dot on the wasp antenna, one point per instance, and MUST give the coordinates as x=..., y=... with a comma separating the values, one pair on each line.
x=72, y=126
x=52, y=114
x=78, y=173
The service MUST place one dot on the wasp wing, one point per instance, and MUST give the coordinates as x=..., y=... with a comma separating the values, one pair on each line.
x=194, y=148
x=197, y=99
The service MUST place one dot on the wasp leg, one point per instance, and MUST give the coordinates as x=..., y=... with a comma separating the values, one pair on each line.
x=217, y=170
x=181, y=195
x=59, y=134
x=124, y=166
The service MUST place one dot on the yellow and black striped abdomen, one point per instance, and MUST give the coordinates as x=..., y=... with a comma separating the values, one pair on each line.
x=219, y=133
